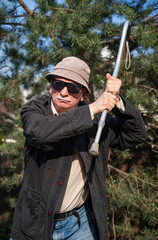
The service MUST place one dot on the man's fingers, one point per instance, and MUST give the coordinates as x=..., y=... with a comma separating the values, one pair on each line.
x=113, y=84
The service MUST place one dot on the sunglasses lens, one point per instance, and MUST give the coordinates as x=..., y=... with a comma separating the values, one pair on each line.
x=58, y=85
x=72, y=88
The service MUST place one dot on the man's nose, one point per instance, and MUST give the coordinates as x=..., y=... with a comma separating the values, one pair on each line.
x=64, y=91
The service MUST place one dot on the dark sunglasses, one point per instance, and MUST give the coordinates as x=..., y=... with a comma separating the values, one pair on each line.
x=71, y=87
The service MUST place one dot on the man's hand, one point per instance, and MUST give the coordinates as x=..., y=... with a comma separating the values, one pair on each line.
x=113, y=85
x=109, y=98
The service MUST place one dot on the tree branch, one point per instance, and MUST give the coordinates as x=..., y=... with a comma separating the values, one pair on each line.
x=25, y=7
x=14, y=9
x=10, y=69
x=16, y=24
x=128, y=175
x=16, y=16
x=151, y=18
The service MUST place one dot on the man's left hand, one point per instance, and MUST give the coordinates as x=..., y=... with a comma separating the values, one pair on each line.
x=113, y=85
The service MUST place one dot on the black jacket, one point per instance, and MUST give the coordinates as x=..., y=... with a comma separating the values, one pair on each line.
x=49, y=146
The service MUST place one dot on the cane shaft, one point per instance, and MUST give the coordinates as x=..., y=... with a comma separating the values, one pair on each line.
x=94, y=150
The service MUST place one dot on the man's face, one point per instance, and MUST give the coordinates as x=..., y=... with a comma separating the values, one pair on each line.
x=63, y=99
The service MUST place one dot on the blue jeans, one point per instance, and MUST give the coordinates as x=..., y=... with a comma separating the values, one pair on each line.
x=69, y=228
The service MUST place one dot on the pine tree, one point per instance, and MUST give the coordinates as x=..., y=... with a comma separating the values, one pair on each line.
x=32, y=42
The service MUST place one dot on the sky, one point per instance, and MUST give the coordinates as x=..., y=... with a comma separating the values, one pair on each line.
x=31, y=3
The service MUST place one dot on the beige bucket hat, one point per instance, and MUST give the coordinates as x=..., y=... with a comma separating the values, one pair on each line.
x=72, y=68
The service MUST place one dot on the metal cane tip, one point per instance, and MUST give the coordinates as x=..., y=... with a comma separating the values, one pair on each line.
x=94, y=150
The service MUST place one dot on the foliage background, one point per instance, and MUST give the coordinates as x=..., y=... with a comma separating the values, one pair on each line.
x=33, y=40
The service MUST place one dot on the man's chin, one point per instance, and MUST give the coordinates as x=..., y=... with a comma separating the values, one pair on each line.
x=63, y=108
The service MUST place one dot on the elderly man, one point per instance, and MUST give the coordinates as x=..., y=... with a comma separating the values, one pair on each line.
x=63, y=191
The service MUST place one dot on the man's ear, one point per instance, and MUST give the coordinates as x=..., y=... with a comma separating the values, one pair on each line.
x=84, y=91
x=50, y=90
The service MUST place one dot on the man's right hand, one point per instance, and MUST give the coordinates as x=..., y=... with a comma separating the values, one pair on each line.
x=105, y=101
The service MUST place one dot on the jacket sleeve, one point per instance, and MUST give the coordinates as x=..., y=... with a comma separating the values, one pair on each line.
x=45, y=131
x=127, y=128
